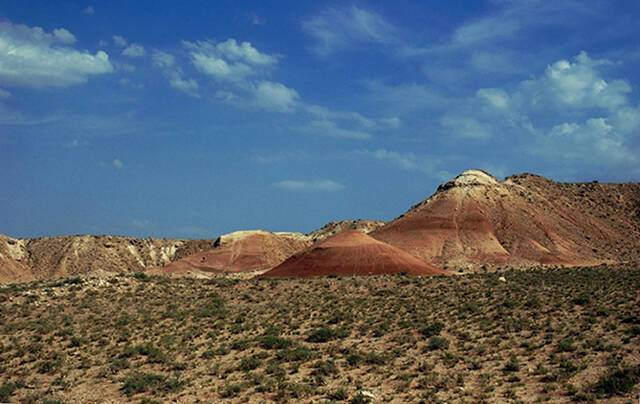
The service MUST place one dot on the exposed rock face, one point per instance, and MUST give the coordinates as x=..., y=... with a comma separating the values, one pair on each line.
x=14, y=260
x=351, y=253
x=52, y=257
x=335, y=227
x=241, y=251
x=525, y=220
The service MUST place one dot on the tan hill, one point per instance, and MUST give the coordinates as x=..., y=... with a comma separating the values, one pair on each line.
x=239, y=252
x=351, y=253
x=53, y=257
x=14, y=266
x=477, y=220
x=335, y=227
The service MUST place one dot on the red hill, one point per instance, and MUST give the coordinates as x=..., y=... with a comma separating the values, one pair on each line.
x=351, y=253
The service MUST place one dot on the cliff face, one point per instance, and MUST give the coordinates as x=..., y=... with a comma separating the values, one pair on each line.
x=52, y=257
x=476, y=220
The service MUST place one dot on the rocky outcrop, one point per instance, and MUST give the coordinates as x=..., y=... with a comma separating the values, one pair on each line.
x=335, y=227
x=52, y=257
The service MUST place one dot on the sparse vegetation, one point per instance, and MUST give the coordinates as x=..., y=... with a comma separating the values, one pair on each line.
x=546, y=335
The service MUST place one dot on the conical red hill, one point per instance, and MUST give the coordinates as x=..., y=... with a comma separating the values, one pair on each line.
x=351, y=253
x=525, y=220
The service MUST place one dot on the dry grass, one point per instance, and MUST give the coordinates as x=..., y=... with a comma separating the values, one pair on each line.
x=544, y=335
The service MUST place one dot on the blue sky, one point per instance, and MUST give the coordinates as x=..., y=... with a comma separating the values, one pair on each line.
x=192, y=119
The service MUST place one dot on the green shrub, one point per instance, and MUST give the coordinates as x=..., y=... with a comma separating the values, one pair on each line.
x=249, y=363
x=138, y=382
x=141, y=276
x=322, y=335
x=617, y=382
x=437, y=342
x=512, y=365
x=339, y=394
x=274, y=342
x=432, y=329
x=6, y=390
x=295, y=354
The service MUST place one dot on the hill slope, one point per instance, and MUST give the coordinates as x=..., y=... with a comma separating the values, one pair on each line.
x=335, y=227
x=241, y=251
x=52, y=257
x=351, y=252
x=525, y=220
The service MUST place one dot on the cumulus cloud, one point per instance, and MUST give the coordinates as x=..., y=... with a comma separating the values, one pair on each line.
x=163, y=59
x=276, y=97
x=120, y=41
x=31, y=57
x=134, y=50
x=242, y=77
x=229, y=60
x=167, y=63
x=576, y=84
x=572, y=111
x=316, y=185
x=594, y=140
x=64, y=36
x=339, y=29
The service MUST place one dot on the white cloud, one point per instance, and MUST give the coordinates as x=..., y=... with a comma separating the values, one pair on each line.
x=466, y=127
x=573, y=111
x=595, y=141
x=339, y=29
x=229, y=60
x=167, y=62
x=393, y=122
x=64, y=36
x=34, y=58
x=276, y=97
x=496, y=97
x=134, y=50
x=163, y=59
x=188, y=86
x=578, y=84
x=318, y=185
x=117, y=164
x=484, y=30
x=429, y=165
x=406, y=161
x=120, y=41
x=331, y=129
x=241, y=75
